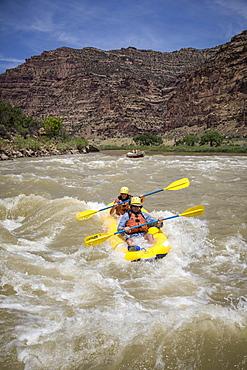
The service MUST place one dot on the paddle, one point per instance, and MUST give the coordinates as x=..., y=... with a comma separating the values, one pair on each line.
x=176, y=185
x=100, y=238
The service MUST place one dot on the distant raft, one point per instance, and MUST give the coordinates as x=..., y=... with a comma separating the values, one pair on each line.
x=135, y=154
x=157, y=251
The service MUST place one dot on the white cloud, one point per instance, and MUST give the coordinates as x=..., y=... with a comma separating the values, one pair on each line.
x=11, y=60
x=237, y=6
x=67, y=38
x=41, y=24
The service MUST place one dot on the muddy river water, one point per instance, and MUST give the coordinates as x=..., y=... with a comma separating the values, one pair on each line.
x=69, y=307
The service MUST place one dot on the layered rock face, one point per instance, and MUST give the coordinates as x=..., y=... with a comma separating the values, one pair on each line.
x=98, y=93
x=126, y=92
x=214, y=96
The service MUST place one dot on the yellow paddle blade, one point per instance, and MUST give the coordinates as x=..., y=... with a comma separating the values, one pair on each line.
x=194, y=211
x=179, y=184
x=85, y=215
x=96, y=239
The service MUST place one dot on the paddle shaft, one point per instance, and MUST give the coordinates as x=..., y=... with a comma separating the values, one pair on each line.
x=100, y=238
x=146, y=223
x=191, y=212
x=153, y=192
x=179, y=184
x=125, y=201
x=128, y=200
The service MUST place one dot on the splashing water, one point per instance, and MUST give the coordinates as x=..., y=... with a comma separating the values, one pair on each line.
x=65, y=306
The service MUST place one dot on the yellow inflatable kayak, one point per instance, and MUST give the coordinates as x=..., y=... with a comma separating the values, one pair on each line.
x=157, y=251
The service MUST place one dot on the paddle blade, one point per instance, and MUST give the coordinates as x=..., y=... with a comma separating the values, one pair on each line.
x=96, y=239
x=194, y=211
x=85, y=215
x=179, y=184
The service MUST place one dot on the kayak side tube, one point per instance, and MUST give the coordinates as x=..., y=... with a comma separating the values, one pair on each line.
x=157, y=251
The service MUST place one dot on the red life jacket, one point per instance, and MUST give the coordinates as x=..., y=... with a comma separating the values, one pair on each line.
x=122, y=208
x=136, y=219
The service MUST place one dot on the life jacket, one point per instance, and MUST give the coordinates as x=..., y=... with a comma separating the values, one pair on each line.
x=136, y=219
x=122, y=208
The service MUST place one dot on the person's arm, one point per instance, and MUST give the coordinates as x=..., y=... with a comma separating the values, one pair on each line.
x=150, y=218
x=113, y=209
x=123, y=221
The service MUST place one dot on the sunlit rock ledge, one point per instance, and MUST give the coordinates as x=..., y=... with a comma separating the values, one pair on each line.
x=12, y=154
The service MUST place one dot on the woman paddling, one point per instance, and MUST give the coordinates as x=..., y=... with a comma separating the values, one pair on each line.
x=122, y=203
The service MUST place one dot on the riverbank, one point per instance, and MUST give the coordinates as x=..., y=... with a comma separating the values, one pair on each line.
x=169, y=146
x=181, y=149
x=11, y=151
x=8, y=154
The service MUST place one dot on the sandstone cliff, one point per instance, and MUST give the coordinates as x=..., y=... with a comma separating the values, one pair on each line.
x=214, y=96
x=125, y=92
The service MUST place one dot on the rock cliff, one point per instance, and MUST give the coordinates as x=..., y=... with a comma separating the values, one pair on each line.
x=214, y=96
x=125, y=92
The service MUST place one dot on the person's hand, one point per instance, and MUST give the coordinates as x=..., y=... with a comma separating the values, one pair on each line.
x=142, y=198
x=127, y=229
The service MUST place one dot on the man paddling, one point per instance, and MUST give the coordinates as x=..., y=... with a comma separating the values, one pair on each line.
x=134, y=217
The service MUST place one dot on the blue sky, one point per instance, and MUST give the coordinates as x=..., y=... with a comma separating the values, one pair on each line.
x=28, y=27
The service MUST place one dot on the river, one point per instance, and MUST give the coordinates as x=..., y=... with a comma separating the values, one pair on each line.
x=68, y=307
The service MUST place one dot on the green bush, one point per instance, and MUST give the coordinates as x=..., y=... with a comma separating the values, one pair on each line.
x=19, y=142
x=32, y=144
x=14, y=121
x=190, y=139
x=62, y=147
x=45, y=140
x=52, y=126
x=29, y=143
x=148, y=139
x=212, y=138
x=78, y=143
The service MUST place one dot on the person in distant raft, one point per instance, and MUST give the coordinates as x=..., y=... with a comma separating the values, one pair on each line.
x=134, y=217
x=123, y=196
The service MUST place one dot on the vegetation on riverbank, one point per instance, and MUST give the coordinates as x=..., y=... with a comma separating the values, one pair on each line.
x=20, y=147
x=42, y=142
x=210, y=142
x=181, y=148
x=23, y=136
x=66, y=145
